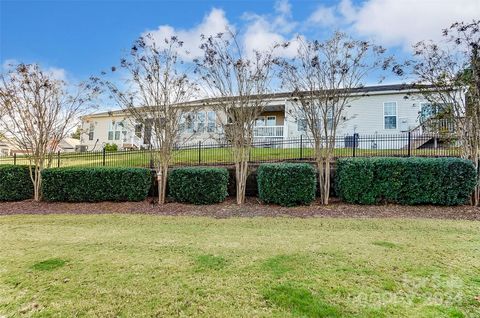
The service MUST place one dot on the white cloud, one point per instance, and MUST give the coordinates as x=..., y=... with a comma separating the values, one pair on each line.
x=283, y=7
x=213, y=23
x=260, y=36
x=406, y=22
x=259, y=32
x=262, y=32
x=56, y=72
x=347, y=10
x=282, y=20
x=394, y=22
x=8, y=63
x=324, y=16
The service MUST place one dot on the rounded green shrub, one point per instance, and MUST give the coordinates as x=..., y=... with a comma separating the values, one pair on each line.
x=410, y=181
x=198, y=185
x=15, y=183
x=287, y=184
x=96, y=184
x=111, y=147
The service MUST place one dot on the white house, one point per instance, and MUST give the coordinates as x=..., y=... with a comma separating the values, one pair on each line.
x=374, y=111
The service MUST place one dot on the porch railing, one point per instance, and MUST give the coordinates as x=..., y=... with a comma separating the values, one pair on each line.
x=436, y=126
x=268, y=131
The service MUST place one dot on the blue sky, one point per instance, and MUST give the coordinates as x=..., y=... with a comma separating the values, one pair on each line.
x=77, y=39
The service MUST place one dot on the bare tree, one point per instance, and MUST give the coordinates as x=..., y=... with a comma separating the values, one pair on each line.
x=155, y=94
x=323, y=78
x=38, y=111
x=448, y=75
x=238, y=81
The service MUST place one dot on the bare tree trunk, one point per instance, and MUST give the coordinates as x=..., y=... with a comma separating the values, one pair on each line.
x=323, y=167
x=326, y=186
x=241, y=174
x=162, y=175
x=476, y=193
x=37, y=183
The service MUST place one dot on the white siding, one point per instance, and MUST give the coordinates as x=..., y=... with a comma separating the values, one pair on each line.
x=365, y=116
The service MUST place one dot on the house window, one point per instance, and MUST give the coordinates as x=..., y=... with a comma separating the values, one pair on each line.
x=260, y=121
x=302, y=121
x=201, y=119
x=138, y=130
x=271, y=121
x=189, y=119
x=301, y=124
x=429, y=110
x=116, y=129
x=198, y=122
x=390, y=115
x=266, y=121
x=330, y=118
x=91, y=131
x=212, y=121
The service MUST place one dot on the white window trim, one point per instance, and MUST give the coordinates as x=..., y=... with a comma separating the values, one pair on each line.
x=209, y=121
x=272, y=116
x=265, y=119
x=260, y=118
x=396, y=115
x=91, y=131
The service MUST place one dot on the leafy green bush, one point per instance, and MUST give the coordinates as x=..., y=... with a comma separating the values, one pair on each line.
x=441, y=181
x=95, y=184
x=198, y=185
x=111, y=147
x=287, y=184
x=15, y=183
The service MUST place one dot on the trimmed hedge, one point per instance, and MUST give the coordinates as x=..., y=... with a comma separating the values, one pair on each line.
x=410, y=181
x=198, y=185
x=96, y=184
x=15, y=183
x=287, y=184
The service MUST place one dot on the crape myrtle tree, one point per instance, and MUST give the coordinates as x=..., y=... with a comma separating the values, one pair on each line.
x=37, y=111
x=448, y=74
x=324, y=77
x=157, y=83
x=237, y=82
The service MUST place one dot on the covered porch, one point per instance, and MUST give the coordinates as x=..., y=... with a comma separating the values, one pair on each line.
x=270, y=126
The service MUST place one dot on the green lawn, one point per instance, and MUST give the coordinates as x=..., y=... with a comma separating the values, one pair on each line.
x=138, y=265
x=216, y=156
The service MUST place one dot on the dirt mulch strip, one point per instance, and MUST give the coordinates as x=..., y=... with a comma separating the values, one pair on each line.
x=251, y=208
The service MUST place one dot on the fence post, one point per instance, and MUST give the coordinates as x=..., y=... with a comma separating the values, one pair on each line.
x=199, y=152
x=301, y=147
x=152, y=164
x=103, y=156
x=409, y=143
x=15, y=159
x=354, y=150
x=58, y=159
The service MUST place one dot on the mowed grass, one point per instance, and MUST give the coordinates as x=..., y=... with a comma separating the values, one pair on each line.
x=202, y=156
x=138, y=265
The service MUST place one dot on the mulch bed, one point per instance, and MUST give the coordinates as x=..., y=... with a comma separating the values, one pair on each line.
x=251, y=208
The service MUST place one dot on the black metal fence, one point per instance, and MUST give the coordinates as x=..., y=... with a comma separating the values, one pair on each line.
x=267, y=150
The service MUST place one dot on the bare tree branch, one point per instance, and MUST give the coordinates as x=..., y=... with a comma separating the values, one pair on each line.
x=37, y=111
x=323, y=77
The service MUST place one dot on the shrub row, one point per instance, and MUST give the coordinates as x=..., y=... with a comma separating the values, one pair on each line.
x=412, y=181
x=95, y=184
x=15, y=183
x=286, y=184
x=445, y=181
x=198, y=185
